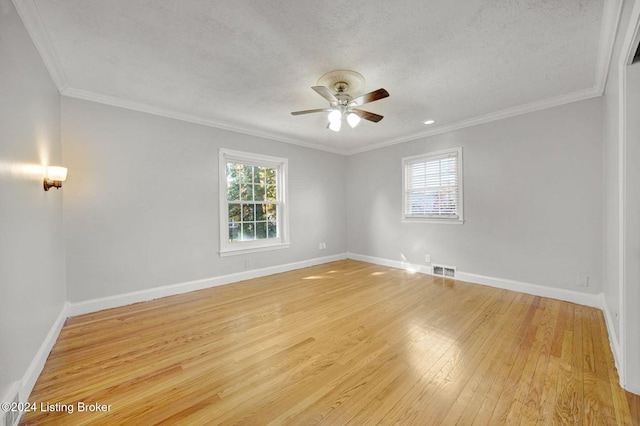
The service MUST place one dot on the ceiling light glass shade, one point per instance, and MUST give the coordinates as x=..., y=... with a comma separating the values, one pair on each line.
x=335, y=116
x=57, y=173
x=335, y=125
x=353, y=119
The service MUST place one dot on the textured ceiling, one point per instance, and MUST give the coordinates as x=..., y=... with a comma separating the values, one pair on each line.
x=246, y=64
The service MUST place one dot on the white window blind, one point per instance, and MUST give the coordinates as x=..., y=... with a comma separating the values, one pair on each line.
x=432, y=186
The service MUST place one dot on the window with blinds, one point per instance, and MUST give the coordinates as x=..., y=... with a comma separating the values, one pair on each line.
x=432, y=186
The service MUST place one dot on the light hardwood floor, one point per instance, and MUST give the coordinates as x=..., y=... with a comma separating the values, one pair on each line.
x=341, y=343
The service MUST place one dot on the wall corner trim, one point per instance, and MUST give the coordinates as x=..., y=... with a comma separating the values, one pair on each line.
x=613, y=338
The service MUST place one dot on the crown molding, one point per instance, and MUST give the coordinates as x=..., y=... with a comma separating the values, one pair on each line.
x=611, y=14
x=30, y=16
x=191, y=118
x=494, y=116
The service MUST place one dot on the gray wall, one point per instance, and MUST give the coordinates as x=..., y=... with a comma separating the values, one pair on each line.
x=142, y=208
x=32, y=290
x=532, y=200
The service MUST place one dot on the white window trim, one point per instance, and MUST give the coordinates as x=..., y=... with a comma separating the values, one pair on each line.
x=242, y=247
x=418, y=219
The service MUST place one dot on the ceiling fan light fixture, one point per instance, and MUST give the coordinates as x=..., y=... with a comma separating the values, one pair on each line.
x=353, y=119
x=335, y=116
x=336, y=87
x=335, y=125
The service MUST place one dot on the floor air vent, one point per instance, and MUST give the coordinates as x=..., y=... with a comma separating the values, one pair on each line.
x=444, y=271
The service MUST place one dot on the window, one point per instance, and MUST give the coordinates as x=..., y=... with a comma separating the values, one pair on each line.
x=432, y=187
x=253, y=209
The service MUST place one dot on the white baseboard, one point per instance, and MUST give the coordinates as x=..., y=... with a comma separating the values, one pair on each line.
x=613, y=338
x=572, y=296
x=593, y=300
x=94, y=305
x=8, y=397
x=37, y=364
x=632, y=389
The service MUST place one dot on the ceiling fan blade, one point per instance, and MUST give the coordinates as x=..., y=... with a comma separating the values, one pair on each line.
x=367, y=115
x=309, y=111
x=370, y=97
x=325, y=93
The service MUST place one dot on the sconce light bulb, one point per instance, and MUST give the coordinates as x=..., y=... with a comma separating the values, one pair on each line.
x=54, y=178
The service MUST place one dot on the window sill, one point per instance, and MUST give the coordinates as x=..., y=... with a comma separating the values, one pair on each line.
x=255, y=249
x=442, y=221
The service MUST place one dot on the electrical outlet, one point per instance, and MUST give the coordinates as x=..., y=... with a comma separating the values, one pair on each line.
x=583, y=280
x=322, y=246
x=427, y=258
x=247, y=264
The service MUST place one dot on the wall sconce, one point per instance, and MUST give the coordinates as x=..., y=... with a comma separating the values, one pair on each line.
x=55, y=176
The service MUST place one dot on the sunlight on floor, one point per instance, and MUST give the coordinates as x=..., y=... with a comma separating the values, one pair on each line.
x=428, y=343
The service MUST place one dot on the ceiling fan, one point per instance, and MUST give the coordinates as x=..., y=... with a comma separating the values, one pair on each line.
x=335, y=87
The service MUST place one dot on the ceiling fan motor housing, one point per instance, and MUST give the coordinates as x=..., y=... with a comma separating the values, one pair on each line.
x=343, y=98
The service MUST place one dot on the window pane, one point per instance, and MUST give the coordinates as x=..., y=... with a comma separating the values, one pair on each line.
x=246, y=173
x=261, y=211
x=234, y=232
x=233, y=191
x=258, y=192
x=248, y=213
x=248, y=231
x=261, y=230
x=272, y=194
x=271, y=212
x=271, y=176
x=232, y=172
x=246, y=192
x=259, y=175
x=433, y=202
x=272, y=231
x=234, y=213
